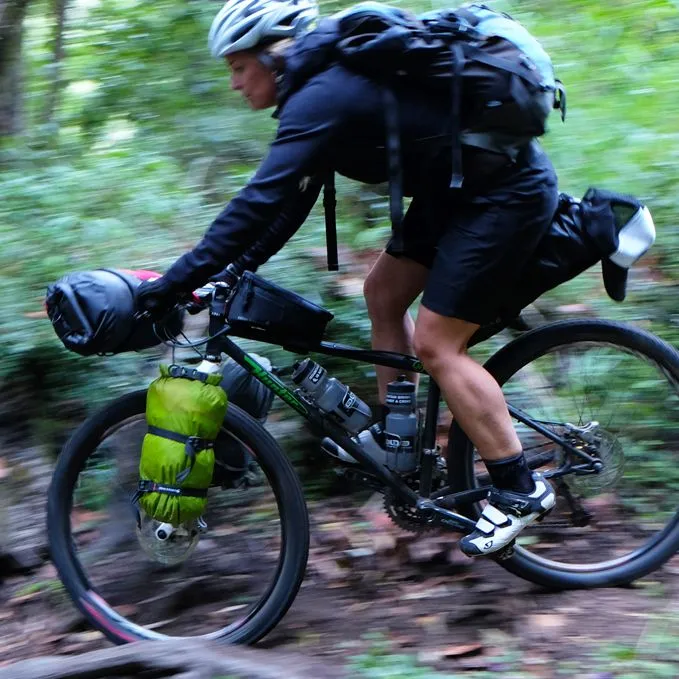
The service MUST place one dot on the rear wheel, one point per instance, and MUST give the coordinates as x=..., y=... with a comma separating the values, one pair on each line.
x=615, y=389
x=232, y=580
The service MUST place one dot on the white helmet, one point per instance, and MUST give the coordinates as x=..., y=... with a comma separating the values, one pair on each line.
x=244, y=24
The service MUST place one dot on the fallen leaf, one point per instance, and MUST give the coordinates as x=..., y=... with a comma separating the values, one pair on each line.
x=85, y=637
x=426, y=620
x=462, y=651
x=18, y=600
x=384, y=543
x=546, y=620
x=429, y=657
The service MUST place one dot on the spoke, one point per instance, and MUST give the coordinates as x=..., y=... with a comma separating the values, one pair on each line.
x=630, y=397
x=197, y=595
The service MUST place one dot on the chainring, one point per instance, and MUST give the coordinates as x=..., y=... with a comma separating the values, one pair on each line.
x=408, y=517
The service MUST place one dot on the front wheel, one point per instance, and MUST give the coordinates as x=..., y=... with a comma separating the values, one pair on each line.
x=615, y=389
x=230, y=580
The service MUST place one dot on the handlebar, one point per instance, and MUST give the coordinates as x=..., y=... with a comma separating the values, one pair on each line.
x=202, y=297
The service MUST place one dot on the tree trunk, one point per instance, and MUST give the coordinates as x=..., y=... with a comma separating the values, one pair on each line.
x=55, y=81
x=12, y=14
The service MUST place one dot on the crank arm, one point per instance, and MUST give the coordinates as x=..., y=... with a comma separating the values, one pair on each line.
x=455, y=521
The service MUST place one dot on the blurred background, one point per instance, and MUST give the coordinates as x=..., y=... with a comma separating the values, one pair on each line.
x=120, y=141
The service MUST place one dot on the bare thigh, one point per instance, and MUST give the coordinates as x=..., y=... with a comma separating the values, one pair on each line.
x=392, y=286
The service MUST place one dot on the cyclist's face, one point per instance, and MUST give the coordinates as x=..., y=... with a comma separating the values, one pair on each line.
x=254, y=80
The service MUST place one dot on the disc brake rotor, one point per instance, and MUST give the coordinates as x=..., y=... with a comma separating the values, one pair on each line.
x=609, y=451
x=165, y=543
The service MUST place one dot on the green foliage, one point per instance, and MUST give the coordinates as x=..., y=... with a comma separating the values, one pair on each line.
x=382, y=662
x=653, y=656
x=149, y=143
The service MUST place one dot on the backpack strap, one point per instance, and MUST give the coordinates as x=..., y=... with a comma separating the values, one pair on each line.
x=395, y=168
x=329, y=210
x=469, y=17
x=458, y=57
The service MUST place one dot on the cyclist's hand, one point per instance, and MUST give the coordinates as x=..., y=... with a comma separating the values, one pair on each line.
x=229, y=275
x=156, y=298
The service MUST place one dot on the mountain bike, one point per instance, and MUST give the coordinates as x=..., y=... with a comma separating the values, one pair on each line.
x=596, y=405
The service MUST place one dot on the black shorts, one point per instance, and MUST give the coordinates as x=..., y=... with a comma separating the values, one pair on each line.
x=475, y=242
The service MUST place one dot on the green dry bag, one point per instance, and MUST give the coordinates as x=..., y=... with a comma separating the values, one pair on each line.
x=184, y=412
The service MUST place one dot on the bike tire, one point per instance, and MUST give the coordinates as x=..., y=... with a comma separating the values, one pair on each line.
x=281, y=476
x=507, y=362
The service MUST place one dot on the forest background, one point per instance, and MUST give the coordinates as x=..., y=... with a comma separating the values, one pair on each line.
x=120, y=141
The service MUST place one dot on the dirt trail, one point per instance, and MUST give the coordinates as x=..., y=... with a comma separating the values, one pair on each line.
x=419, y=594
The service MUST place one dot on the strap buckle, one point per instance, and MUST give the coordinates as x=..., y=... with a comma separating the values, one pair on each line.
x=187, y=373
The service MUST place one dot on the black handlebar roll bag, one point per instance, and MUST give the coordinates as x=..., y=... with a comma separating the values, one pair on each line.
x=93, y=312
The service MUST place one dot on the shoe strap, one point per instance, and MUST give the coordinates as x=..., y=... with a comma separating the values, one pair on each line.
x=510, y=502
x=490, y=519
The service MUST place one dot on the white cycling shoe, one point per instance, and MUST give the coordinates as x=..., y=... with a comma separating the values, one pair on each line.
x=506, y=515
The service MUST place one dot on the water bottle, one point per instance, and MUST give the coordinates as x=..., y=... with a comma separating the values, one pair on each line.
x=400, y=425
x=209, y=367
x=331, y=396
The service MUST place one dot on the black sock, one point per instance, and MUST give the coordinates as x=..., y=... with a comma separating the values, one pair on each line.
x=511, y=473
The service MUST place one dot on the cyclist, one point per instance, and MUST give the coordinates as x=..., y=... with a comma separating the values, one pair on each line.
x=462, y=247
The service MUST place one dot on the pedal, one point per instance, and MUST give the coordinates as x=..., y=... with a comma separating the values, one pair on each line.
x=507, y=552
x=542, y=517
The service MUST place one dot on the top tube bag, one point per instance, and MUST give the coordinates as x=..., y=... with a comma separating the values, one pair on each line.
x=264, y=311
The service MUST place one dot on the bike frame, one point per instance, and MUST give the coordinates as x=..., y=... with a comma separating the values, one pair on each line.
x=219, y=343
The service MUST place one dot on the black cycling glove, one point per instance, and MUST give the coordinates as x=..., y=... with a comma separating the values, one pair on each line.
x=156, y=297
x=229, y=275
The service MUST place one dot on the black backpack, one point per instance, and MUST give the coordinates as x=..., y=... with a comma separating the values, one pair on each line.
x=499, y=79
